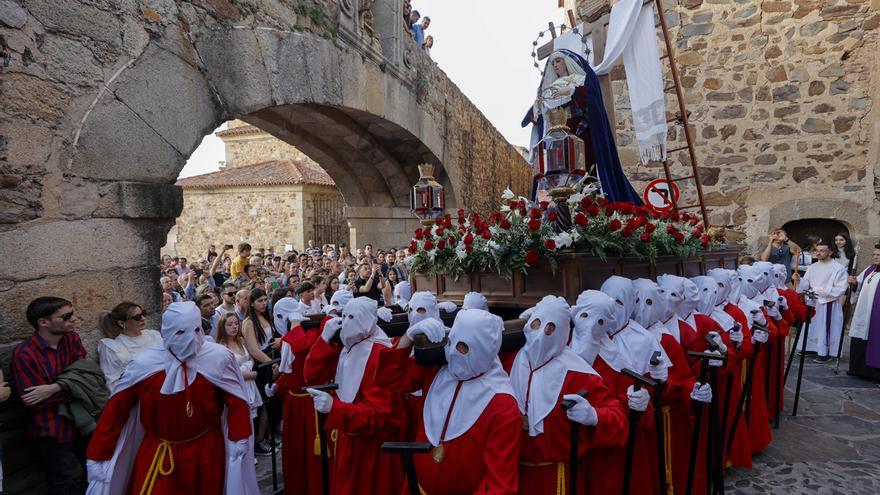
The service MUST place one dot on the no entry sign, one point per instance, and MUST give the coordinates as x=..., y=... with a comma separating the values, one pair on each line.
x=661, y=194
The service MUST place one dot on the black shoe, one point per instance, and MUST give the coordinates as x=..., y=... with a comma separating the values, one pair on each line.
x=262, y=449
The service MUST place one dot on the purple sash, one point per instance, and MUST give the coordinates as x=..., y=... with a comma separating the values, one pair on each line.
x=872, y=353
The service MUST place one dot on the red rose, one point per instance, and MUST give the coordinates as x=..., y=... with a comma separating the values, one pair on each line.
x=609, y=210
x=671, y=229
x=534, y=224
x=513, y=204
x=536, y=213
x=550, y=244
x=645, y=237
x=602, y=201
x=486, y=234
x=705, y=240
x=626, y=233
x=441, y=245
x=460, y=213
x=614, y=226
x=544, y=205
x=593, y=210
x=419, y=234
x=438, y=222
x=413, y=247
x=452, y=241
x=587, y=201
x=650, y=227
x=694, y=221
x=461, y=220
x=505, y=224
x=439, y=233
x=468, y=249
x=581, y=220
x=678, y=236
x=447, y=223
x=522, y=203
x=532, y=257
x=429, y=245
x=522, y=211
x=685, y=217
x=462, y=229
x=552, y=216
x=696, y=233
x=468, y=239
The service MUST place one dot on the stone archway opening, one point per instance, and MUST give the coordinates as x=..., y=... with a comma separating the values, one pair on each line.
x=823, y=228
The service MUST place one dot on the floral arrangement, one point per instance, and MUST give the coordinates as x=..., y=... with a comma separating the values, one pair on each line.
x=521, y=235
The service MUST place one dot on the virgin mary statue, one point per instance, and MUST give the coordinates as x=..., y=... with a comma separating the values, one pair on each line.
x=569, y=81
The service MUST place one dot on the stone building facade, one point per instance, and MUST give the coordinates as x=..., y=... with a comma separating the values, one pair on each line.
x=268, y=194
x=783, y=101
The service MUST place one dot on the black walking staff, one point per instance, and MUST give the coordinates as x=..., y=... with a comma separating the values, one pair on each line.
x=406, y=451
x=658, y=411
x=574, y=452
x=322, y=437
x=725, y=405
x=634, y=416
x=705, y=357
x=745, y=399
x=846, y=314
x=265, y=372
x=797, y=391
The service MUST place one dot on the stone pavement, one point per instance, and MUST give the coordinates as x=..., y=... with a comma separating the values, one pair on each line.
x=832, y=447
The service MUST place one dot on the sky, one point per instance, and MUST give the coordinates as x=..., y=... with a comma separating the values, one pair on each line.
x=486, y=51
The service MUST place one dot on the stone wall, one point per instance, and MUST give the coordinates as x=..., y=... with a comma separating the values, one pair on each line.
x=783, y=100
x=263, y=216
x=256, y=148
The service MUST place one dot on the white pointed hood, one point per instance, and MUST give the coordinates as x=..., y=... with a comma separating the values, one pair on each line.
x=359, y=333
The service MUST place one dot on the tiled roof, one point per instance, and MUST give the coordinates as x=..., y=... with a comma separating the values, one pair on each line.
x=241, y=130
x=273, y=173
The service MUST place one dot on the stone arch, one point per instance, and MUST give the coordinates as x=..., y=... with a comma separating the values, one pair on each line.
x=98, y=157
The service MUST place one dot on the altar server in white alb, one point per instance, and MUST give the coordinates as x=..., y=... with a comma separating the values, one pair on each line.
x=829, y=281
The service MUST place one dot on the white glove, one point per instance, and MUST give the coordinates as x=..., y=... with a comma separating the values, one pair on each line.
x=433, y=329
x=447, y=306
x=323, y=400
x=718, y=342
x=384, y=314
x=331, y=328
x=715, y=363
x=637, y=399
x=702, y=392
x=736, y=335
x=660, y=372
x=760, y=336
x=270, y=389
x=238, y=449
x=98, y=471
x=582, y=412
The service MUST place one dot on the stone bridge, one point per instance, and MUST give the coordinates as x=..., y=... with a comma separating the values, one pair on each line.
x=104, y=101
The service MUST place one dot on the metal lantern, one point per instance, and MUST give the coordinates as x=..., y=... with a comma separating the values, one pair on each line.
x=428, y=198
x=561, y=159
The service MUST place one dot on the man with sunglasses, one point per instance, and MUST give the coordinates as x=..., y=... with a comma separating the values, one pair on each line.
x=36, y=363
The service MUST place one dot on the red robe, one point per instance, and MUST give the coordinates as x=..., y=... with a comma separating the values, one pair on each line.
x=196, y=453
x=375, y=416
x=609, y=463
x=300, y=447
x=758, y=420
x=693, y=340
x=676, y=415
x=483, y=460
x=544, y=457
x=796, y=313
x=739, y=453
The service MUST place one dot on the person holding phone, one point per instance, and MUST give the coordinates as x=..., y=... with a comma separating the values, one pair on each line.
x=368, y=281
x=780, y=249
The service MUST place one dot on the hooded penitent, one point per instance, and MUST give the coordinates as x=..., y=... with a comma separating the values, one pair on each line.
x=471, y=377
x=359, y=333
x=422, y=305
x=635, y=345
x=475, y=300
x=286, y=311
x=651, y=303
x=402, y=293
x=594, y=318
x=674, y=291
x=722, y=279
x=540, y=367
x=767, y=283
x=338, y=301
x=748, y=295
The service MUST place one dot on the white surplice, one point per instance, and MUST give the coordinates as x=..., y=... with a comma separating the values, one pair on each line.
x=864, y=306
x=829, y=281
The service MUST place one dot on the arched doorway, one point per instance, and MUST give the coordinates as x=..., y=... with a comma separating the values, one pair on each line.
x=824, y=228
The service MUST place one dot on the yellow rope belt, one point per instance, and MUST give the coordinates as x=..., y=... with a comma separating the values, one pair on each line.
x=299, y=396
x=667, y=448
x=157, y=467
x=560, y=473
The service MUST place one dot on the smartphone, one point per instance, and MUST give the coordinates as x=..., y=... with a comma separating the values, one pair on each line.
x=227, y=246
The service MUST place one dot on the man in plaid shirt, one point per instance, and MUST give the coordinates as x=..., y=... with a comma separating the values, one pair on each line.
x=36, y=363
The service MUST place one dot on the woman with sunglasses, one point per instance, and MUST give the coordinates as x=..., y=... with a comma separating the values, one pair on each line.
x=126, y=337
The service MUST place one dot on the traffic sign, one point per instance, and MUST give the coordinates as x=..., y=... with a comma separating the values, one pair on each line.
x=661, y=195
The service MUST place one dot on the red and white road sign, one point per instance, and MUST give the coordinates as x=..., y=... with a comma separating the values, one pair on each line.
x=661, y=195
